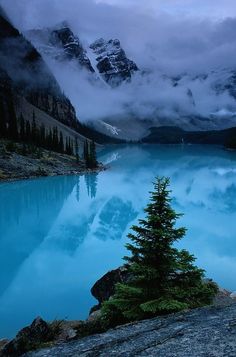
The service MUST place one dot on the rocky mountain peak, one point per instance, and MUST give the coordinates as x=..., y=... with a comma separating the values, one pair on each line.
x=61, y=44
x=112, y=61
x=72, y=46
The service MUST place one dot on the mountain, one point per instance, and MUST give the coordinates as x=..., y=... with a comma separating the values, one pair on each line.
x=112, y=62
x=30, y=76
x=61, y=44
x=106, y=59
x=143, y=98
x=176, y=135
x=28, y=86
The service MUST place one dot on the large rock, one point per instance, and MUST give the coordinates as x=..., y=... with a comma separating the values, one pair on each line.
x=104, y=288
x=30, y=337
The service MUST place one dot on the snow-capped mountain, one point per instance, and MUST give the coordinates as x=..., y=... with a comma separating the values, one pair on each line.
x=61, y=44
x=125, y=100
x=112, y=61
x=105, y=58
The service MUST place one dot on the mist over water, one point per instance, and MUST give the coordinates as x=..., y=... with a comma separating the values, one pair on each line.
x=59, y=235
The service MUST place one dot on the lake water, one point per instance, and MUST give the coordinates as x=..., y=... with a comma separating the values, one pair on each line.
x=59, y=235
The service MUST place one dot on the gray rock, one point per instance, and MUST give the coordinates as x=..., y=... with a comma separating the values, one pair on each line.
x=104, y=288
x=28, y=338
x=202, y=332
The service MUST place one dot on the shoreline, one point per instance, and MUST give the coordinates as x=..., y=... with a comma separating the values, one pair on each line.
x=16, y=166
x=101, y=168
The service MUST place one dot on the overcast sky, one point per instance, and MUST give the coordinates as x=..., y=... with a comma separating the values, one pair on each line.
x=173, y=35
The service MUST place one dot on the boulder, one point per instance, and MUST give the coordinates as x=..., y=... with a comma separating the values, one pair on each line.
x=104, y=288
x=29, y=338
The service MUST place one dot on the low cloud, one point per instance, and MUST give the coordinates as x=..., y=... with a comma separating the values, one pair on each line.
x=173, y=38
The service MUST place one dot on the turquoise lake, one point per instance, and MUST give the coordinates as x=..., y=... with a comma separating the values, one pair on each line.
x=59, y=235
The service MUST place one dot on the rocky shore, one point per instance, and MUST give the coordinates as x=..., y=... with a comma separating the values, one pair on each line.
x=17, y=165
x=208, y=331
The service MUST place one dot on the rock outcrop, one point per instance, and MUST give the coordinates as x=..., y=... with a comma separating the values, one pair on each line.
x=38, y=335
x=112, y=61
x=208, y=332
x=104, y=288
x=28, y=338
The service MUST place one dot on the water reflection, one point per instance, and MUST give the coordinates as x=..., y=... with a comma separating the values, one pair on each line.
x=27, y=211
x=91, y=184
x=58, y=235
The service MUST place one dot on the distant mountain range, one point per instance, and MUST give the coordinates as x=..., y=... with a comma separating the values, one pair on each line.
x=24, y=71
x=106, y=63
x=105, y=59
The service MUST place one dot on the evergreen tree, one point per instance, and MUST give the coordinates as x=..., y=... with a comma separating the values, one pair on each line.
x=12, y=123
x=42, y=136
x=163, y=278
x=34, y=130
x=61, y=143
x=77, y=150
x=71, y=147
x=55, y=139
x=28, y=131
x=86, y=153
x=22, y=128
x=3, y=123
x=92, y=155
x=50, y=140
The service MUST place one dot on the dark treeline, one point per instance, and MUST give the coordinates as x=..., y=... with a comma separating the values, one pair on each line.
x=22, y=130
x=28, y=132
x=50, y=139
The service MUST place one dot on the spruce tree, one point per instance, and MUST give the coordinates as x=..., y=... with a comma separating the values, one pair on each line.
x=22, y=128
x=92, y=155
x=42, y=136
x=86, y=153
x=163, y=279
x=34, y=130
x=77, y=150
x=12, y=123
x=61, y=143
x=28, y=131
x=3, y=124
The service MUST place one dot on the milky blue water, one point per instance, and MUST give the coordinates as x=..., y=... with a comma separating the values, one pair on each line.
x=59, y=235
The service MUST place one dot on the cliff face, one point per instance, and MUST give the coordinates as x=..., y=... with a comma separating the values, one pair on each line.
x=24, y=71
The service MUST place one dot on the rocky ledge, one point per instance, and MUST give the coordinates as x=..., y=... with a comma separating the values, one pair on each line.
x=204, y=332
